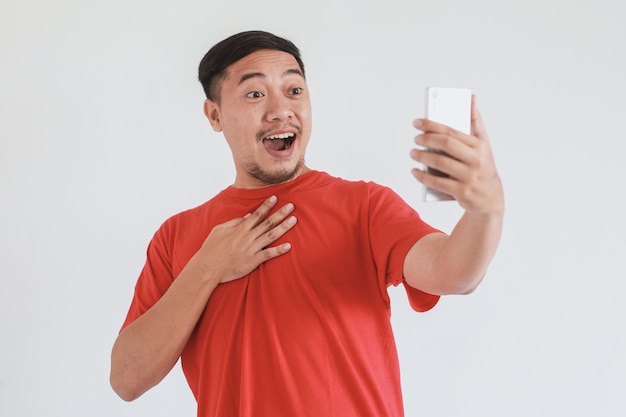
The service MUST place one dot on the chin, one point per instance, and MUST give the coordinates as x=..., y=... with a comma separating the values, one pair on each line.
x=277, y=175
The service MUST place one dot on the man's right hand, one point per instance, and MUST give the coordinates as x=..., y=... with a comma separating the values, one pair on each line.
x=235, y=248
x=147, y=349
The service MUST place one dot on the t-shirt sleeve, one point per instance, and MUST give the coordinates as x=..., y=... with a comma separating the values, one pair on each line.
x=155, y=277
x=394, y=228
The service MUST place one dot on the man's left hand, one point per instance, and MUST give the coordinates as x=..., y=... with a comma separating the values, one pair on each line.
x=468, y=161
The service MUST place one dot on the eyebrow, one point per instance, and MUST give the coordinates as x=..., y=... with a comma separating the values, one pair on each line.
x=291, y=71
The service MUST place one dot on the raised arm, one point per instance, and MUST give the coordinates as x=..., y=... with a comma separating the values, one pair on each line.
x=147, y=349
x=456, y=264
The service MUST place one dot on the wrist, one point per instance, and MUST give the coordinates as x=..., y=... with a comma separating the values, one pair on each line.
x=202, y=271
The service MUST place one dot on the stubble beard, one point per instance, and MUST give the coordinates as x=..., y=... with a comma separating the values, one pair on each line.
x=276, y=177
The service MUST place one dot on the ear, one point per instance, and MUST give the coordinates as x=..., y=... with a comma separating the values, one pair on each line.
x=212, y=112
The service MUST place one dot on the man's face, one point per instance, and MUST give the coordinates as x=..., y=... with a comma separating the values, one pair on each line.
x=265, y=115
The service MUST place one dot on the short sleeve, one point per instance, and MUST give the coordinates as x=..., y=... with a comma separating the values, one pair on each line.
x=394, y=228
x=155, y=277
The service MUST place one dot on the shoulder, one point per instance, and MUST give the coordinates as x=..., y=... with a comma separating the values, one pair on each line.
x=353, y=193
x=190, y=218
x=324, y=179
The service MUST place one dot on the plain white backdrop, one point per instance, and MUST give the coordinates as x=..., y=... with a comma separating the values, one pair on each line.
x=102, y=138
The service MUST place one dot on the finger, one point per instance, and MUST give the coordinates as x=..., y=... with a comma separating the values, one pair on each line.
x=235, y=221
x=430, y=126
x=457, y=147
x=426, y=125
x=478, y=127
x=440, y=162
x=272, y=252
x=271, y=222
x=258, y=215
x=277, y=232
x=433, y=128
x=446, y=185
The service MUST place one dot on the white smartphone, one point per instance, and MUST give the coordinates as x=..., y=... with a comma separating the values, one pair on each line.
x=451, y=107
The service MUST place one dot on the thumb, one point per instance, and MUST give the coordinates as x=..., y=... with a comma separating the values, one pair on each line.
x=234, y=222
x=478, y=128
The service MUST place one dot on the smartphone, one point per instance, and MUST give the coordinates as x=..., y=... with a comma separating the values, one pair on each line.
x=451, y=107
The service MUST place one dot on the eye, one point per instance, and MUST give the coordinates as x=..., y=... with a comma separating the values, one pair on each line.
x=296, y=91
x=254, y=94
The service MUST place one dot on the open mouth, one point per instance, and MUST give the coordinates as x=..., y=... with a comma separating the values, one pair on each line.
x=279, y=142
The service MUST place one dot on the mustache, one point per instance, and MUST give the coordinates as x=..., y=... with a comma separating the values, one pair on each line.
x=263, y=133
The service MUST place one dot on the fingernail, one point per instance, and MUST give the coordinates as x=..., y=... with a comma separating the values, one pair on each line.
x=418, y=123
x=291, y=220
x=272, y=199
x=287, y=246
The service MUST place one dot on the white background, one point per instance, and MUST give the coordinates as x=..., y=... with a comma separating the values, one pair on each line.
x=102, y=137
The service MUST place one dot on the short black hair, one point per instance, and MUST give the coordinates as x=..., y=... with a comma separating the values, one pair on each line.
x=212, y=69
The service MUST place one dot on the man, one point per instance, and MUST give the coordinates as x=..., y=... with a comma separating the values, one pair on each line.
x=273, y=293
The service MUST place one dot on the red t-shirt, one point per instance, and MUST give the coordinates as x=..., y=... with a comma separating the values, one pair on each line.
x=307, y=333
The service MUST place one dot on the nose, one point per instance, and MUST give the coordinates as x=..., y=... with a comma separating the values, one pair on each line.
x=278, y=109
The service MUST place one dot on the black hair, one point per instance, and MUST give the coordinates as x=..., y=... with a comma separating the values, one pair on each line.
x=212, y=69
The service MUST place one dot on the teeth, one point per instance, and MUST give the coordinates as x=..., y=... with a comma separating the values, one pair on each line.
x=281, y=136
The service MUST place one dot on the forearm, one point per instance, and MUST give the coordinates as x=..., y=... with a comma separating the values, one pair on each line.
x=455, y=264
x=465, y=255
x=148, y=348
